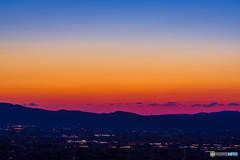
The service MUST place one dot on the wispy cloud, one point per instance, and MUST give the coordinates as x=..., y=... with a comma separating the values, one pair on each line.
x=211, y=104
x=32, y=104
x=153, y=104
x=233, y=104
x=170, y=104
x=196, y=105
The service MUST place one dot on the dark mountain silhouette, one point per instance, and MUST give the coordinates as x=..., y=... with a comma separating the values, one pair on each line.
x=17, y=114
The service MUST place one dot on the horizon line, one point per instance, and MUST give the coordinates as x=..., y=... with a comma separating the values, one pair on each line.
x=114, y=111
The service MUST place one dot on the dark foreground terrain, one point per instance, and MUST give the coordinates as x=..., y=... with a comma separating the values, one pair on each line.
x=35, y=134
x=19, y=142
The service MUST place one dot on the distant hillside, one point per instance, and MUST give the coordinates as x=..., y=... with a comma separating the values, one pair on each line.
x=17, y=114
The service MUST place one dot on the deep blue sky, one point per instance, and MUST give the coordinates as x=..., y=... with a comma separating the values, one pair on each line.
x=132, y=19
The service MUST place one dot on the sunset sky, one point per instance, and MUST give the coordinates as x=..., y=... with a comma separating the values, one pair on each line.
x=142, y=56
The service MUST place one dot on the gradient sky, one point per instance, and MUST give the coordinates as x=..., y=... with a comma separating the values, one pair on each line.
x=103, y=56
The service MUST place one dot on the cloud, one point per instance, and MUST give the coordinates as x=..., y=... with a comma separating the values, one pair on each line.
x=153, y=104
x=196, y=105
x=32, y=104
x=233, y=104
x=211, y=104
x=135, y=103
x=170, y=104
x=112, y=104
x=207, y=105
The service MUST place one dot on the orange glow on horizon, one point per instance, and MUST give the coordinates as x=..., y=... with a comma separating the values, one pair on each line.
x=50, y=74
